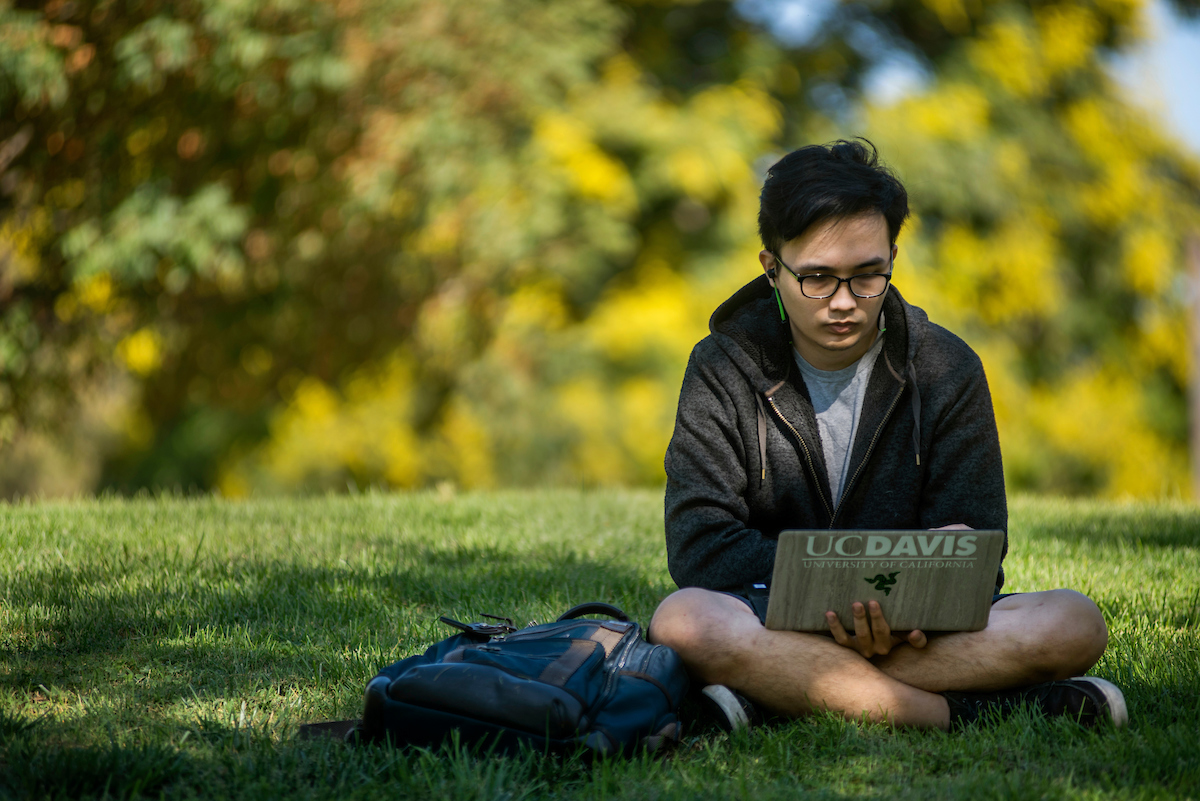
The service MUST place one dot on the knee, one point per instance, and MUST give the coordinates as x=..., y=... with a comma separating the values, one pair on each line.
x=680, y=621
x=1074, y=631
x=707, y=632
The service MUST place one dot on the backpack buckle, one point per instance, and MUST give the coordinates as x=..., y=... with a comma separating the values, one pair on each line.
x=483, y=631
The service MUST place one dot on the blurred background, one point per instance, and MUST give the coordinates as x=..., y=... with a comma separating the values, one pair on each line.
x=303, y=245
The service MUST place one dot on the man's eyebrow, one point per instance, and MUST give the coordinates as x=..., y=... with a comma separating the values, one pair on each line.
x=816, y=268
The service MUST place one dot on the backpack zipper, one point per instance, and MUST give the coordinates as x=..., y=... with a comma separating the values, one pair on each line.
x=626, y=645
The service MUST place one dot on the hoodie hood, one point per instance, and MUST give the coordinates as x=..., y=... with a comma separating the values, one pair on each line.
x=748, y=329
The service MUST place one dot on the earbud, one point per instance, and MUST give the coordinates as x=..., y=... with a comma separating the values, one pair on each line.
x=779, y=300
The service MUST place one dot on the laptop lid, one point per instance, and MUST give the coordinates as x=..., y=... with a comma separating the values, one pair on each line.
x=928, y=580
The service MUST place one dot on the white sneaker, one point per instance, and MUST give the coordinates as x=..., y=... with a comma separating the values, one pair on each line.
x=731, y=711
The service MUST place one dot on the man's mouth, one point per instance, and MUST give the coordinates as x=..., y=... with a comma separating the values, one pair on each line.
x=841, y=327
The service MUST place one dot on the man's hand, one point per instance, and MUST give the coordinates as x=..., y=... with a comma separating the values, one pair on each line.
x=873, y=636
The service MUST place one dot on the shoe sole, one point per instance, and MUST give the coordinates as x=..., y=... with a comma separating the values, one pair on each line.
x=1114, y=699
x=731, y=710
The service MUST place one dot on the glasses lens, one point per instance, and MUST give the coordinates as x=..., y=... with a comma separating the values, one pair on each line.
x=818, y=286
x=868, y=286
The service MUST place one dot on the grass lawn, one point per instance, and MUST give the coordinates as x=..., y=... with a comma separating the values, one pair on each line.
x=170, y=648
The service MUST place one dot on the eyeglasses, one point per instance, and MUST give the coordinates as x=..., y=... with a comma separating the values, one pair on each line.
x=819, y=287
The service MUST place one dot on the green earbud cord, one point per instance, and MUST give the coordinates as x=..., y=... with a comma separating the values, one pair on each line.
x=779, y=300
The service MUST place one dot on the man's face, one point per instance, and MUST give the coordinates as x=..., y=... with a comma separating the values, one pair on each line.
x=833, y=332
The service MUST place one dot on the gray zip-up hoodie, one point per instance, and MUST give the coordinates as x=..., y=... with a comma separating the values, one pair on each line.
x=745, y=461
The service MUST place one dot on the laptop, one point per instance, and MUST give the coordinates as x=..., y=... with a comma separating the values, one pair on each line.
x=927, y=580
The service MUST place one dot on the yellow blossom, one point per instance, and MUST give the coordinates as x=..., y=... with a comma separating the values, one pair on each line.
x=1068, y=34
x=1007, y=52
x=141, y=351
x=95, y=292
x=656, y=314
x=955, y=112
x=594, y=173
x=469, y=445
x=1147, y=260
x=596, y=456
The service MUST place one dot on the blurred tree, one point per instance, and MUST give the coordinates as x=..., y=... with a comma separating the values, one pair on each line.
x=1053, y=216
x=230, y=198
x=294, y=245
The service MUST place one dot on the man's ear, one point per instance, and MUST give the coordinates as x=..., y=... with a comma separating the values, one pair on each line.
x=767, y=259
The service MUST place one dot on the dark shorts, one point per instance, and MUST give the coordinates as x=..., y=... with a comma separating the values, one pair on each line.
x=756, y=598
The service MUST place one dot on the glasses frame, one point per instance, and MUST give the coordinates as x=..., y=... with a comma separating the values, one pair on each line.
x=840, y=281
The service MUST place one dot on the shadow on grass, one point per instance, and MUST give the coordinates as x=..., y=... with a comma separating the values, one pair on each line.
x=810, y=758
x=1149, y=526
x=110, y=772
x=254, y=767
x=261, y=623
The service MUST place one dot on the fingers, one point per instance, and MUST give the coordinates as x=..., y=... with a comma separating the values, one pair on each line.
x=872, y=634
x=866, y=639
x=880, y=630
x=862, y=629
x=836, y=629
x=883, y=639
x=857, y=643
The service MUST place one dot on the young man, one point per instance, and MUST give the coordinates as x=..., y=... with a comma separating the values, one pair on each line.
x=821, y=399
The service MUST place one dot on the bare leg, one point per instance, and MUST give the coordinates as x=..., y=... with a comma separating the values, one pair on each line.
x=1030, y=638
x=722, y=642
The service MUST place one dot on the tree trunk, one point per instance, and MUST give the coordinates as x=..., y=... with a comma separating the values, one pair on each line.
x=1193, y=267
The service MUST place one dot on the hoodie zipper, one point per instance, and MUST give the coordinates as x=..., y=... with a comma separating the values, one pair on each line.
x=866, y=456
x=807, y=458
x=833, y=513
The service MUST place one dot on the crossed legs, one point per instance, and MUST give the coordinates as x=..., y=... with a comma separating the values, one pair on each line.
x=1030, y=638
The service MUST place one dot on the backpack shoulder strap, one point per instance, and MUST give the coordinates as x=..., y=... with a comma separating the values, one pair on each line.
x=594, y=608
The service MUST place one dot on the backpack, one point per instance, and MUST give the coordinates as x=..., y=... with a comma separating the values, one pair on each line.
x=574, y=683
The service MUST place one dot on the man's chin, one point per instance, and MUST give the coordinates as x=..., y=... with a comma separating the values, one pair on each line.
x=843, y=343
x=849, y=343
x=838, y=347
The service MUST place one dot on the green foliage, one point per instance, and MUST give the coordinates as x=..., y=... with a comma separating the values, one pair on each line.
x=170, y=648
x=233, y=196
x=299, y=245
x=198, y=236
x=31, y=68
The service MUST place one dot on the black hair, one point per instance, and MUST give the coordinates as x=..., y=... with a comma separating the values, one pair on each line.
x=821, y=182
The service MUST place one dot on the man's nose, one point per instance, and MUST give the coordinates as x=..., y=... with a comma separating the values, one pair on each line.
x=842, y=297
